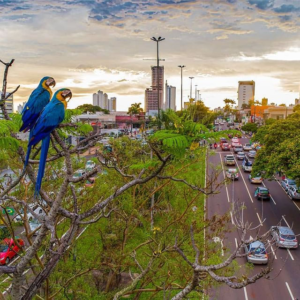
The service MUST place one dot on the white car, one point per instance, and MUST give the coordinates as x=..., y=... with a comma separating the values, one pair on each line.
x=37, y=210
x=252, y=153
x=78, y=174
x=235, y=140
x=34, y=224
x=247, y=147
x=232, y=174
x=90, y=165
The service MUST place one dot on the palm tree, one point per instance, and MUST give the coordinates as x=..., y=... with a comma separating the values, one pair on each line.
x=133, y=110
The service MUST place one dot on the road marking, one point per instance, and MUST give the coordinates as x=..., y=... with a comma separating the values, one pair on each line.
x=245, y=292
x=287, y=285
x=231, y=218
x=270, y=194
x=261, y=224
x=272, y=249
x=243, y=180
x=286, y=221
x=236, y=243
x=289, y=252
x=224, y=178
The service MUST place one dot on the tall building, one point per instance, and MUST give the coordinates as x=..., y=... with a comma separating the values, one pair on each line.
x=170, y=98
x=151, y=94
x=9, y=105
x=112, y=104
x=100, y=99
x=246, y=92
x=20, y=107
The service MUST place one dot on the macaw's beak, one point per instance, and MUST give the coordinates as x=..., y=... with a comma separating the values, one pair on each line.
x=50, y=82
x=67, y=94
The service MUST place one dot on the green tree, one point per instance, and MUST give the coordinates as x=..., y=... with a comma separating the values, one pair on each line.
x=134, y=110
x=245, y=106
x=296, y=108
x=281, y=148
x=250, y=127
x=92, y=108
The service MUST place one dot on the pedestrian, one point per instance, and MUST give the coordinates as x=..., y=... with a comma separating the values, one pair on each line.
x=283, y=177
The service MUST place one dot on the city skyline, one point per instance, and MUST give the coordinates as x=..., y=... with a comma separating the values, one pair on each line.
x=92, y=45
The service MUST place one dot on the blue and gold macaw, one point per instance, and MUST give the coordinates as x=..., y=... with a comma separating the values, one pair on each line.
x=50, y=118
x=37, y=101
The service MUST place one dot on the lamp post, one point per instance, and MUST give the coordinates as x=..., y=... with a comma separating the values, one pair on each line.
x=157, y=40
x=191, y=96
x=181, y=66
x=196, y=92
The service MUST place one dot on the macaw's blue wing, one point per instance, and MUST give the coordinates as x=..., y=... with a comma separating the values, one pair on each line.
x=50, y=118
x=38, y=99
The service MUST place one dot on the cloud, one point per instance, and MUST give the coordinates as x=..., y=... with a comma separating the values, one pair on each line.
x=286, y=8
x=262, y=4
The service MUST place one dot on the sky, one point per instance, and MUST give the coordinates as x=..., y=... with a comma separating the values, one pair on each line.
x=91, y=45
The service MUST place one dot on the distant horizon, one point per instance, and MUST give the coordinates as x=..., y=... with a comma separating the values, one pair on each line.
x=92, y=45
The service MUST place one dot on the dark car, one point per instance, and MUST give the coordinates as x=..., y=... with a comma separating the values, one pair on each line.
x=262, y=193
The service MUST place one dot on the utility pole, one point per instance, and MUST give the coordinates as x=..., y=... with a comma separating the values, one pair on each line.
x=191, y=92
x=181, y=66
x=157, y=40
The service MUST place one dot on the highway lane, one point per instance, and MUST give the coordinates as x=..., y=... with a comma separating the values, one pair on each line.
x=270, y=213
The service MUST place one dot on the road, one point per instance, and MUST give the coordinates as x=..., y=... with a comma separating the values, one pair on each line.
x=284, y=279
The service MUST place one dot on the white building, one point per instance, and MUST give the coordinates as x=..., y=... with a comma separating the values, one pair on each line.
x=9, y=105
x=100, y=99
x=170, y=99
x=246, y=92
x=20, y=107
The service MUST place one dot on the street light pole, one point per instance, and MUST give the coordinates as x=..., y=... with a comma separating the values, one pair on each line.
x=196, y=92
x=181, y=66
x=157, y=40
x=191, y=96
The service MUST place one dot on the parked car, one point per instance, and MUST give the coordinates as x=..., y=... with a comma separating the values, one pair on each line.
x=8, y=250
x=252, y=154
x=225, y=147
x=286, y=183
x=294, y=192
x=247, y=165
x=238, y=148
x=79, y=173
x=104, y=140
x=240, y=155
x=255, y=179
x=262, y=193
x=229, y=160
x=232, y=174
x=256, y=253
x=34, y=225
x=90, y=165
x=36, y=209
x=4, y=232
x=284, y=237
x=235, y=140
x=247, y=147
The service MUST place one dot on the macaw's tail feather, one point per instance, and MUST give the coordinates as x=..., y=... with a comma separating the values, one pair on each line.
x=44, y=152
x=28, y=151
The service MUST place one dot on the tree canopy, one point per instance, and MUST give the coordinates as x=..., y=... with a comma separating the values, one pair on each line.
x=281, y=147
x=92, y=108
